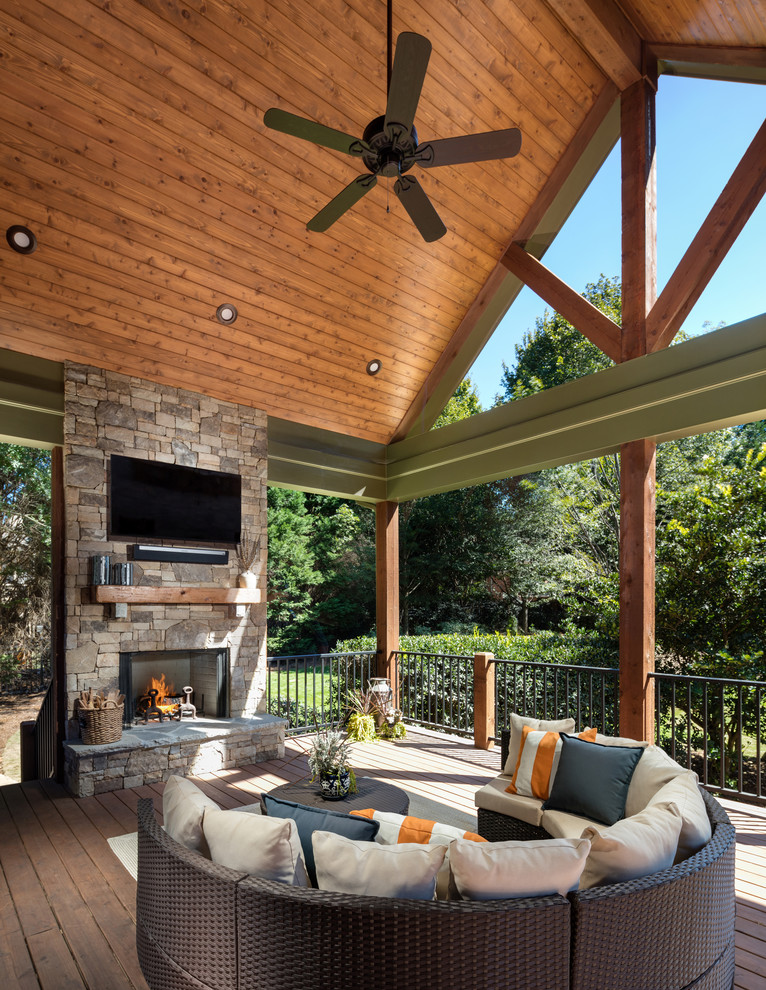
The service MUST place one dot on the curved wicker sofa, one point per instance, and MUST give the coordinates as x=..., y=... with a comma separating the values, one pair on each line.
x=200, y=925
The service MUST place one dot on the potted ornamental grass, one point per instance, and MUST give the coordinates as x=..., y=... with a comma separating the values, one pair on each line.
x=329, y=762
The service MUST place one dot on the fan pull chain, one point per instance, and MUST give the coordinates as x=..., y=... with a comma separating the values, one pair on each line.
x=388, y=191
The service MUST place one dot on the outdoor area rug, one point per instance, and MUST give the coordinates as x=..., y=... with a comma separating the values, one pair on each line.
x=125, y=847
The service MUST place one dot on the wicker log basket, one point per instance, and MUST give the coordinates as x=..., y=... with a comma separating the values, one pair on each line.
x=100, y=717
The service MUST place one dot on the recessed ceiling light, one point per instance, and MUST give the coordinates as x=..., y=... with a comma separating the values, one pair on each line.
x=21, y=239
x=374, y=366
x=226, y=313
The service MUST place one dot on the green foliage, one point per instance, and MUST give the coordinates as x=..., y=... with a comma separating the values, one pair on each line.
x=711, y=569
x=321, y=576
x=578, y=647
x=361, y=728
x=464, y=402
x=555, y=352
x=25, y=558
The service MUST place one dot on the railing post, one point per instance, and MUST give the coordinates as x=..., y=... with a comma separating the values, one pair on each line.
x=484, y=700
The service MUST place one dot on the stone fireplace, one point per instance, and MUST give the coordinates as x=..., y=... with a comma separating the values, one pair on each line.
x=174, y=609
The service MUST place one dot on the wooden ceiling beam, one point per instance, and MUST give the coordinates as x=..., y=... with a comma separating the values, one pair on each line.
x=603, y=31
x=733, y=208
x=583, y=315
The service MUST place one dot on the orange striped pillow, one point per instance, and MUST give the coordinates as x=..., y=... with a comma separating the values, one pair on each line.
x=404, y=828
x=538, y=761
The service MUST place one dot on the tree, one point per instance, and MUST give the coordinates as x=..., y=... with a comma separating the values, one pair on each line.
x=463, y=402
x=25, y=558
x=321, y=575
x=555, y=352
x=711, y=569
x=291, y=572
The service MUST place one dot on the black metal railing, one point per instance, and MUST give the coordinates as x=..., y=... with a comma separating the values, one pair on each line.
x=715, y=727
x=589, y=695
x=44, y=739
x=436, y=690
x=310, y=691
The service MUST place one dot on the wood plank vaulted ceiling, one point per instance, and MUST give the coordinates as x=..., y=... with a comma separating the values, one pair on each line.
x=133, y=145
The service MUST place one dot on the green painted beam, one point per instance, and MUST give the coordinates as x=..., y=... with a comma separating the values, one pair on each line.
x=31, y=400
x=305, y=458
x=704, y=384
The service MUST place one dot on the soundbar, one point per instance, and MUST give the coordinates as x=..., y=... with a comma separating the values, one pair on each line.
x=187, y=555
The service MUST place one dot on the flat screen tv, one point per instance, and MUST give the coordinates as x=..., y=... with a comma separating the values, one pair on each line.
x=150, y=500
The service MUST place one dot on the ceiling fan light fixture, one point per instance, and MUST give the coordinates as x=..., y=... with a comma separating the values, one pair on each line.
x=21, y=239
x=226, y=313
x=374, y=366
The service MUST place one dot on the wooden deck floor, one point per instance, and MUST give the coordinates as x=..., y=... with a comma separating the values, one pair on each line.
x=67, y=906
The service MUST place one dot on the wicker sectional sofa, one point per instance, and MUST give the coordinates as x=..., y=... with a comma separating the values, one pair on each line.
x=201, y=925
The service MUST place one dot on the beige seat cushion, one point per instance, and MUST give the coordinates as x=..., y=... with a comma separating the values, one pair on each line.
x=494, y=797
x=517, y=723
x=695, y=828
x=633, y=847
x=563, y=825
x=654, y=770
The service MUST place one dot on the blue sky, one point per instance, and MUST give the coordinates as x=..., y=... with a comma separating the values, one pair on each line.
x=703, y=129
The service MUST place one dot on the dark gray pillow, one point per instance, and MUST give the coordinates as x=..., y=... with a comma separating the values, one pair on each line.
x=310, y=820
x=592, y=780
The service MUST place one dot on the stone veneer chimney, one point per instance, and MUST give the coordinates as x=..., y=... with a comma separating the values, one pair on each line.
x=108, y=413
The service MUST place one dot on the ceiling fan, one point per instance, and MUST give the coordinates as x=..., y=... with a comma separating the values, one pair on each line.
x=389, y=146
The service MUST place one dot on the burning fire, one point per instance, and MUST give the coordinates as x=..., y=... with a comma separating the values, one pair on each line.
x=166, y=699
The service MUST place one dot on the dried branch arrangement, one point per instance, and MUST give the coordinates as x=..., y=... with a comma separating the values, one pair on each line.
x=247, y=550
x=91, y=700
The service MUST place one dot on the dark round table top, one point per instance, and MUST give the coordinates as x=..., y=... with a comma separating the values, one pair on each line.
x=371, y=793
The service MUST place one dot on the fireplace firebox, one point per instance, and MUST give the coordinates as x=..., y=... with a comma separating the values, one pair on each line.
x=156, y=684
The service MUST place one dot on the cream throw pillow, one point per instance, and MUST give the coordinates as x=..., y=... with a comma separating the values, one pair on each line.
x=498, y=870
x=264, y=847
x=633, y=847
x=653, y=771
x=183, y=805
x=538, y=724
x=352, y=867
x=695, y=824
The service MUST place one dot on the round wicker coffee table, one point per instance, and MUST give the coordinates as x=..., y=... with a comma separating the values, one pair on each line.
x=371, y=793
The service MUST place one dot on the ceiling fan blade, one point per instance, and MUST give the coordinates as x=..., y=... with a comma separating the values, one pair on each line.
x=345, y=199
x=309, y=130
x=410, y=64
x=420, y=208
x=469, y=148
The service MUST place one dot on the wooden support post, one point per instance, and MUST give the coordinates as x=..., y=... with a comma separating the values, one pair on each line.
x=387, y=597
x=637, y=490
x=484, y=700
x=637, y=459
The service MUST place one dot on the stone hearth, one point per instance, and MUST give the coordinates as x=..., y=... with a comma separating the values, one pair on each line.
x=151, y=753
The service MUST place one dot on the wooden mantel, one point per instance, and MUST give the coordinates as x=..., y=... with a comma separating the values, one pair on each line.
x=108, y=594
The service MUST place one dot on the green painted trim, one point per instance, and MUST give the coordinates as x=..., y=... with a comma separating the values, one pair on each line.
x=704, y=384
x=712, y=70
x=305, y=458
x=31, y=400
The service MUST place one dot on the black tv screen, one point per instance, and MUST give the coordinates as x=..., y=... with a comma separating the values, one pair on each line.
x=150, y=500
